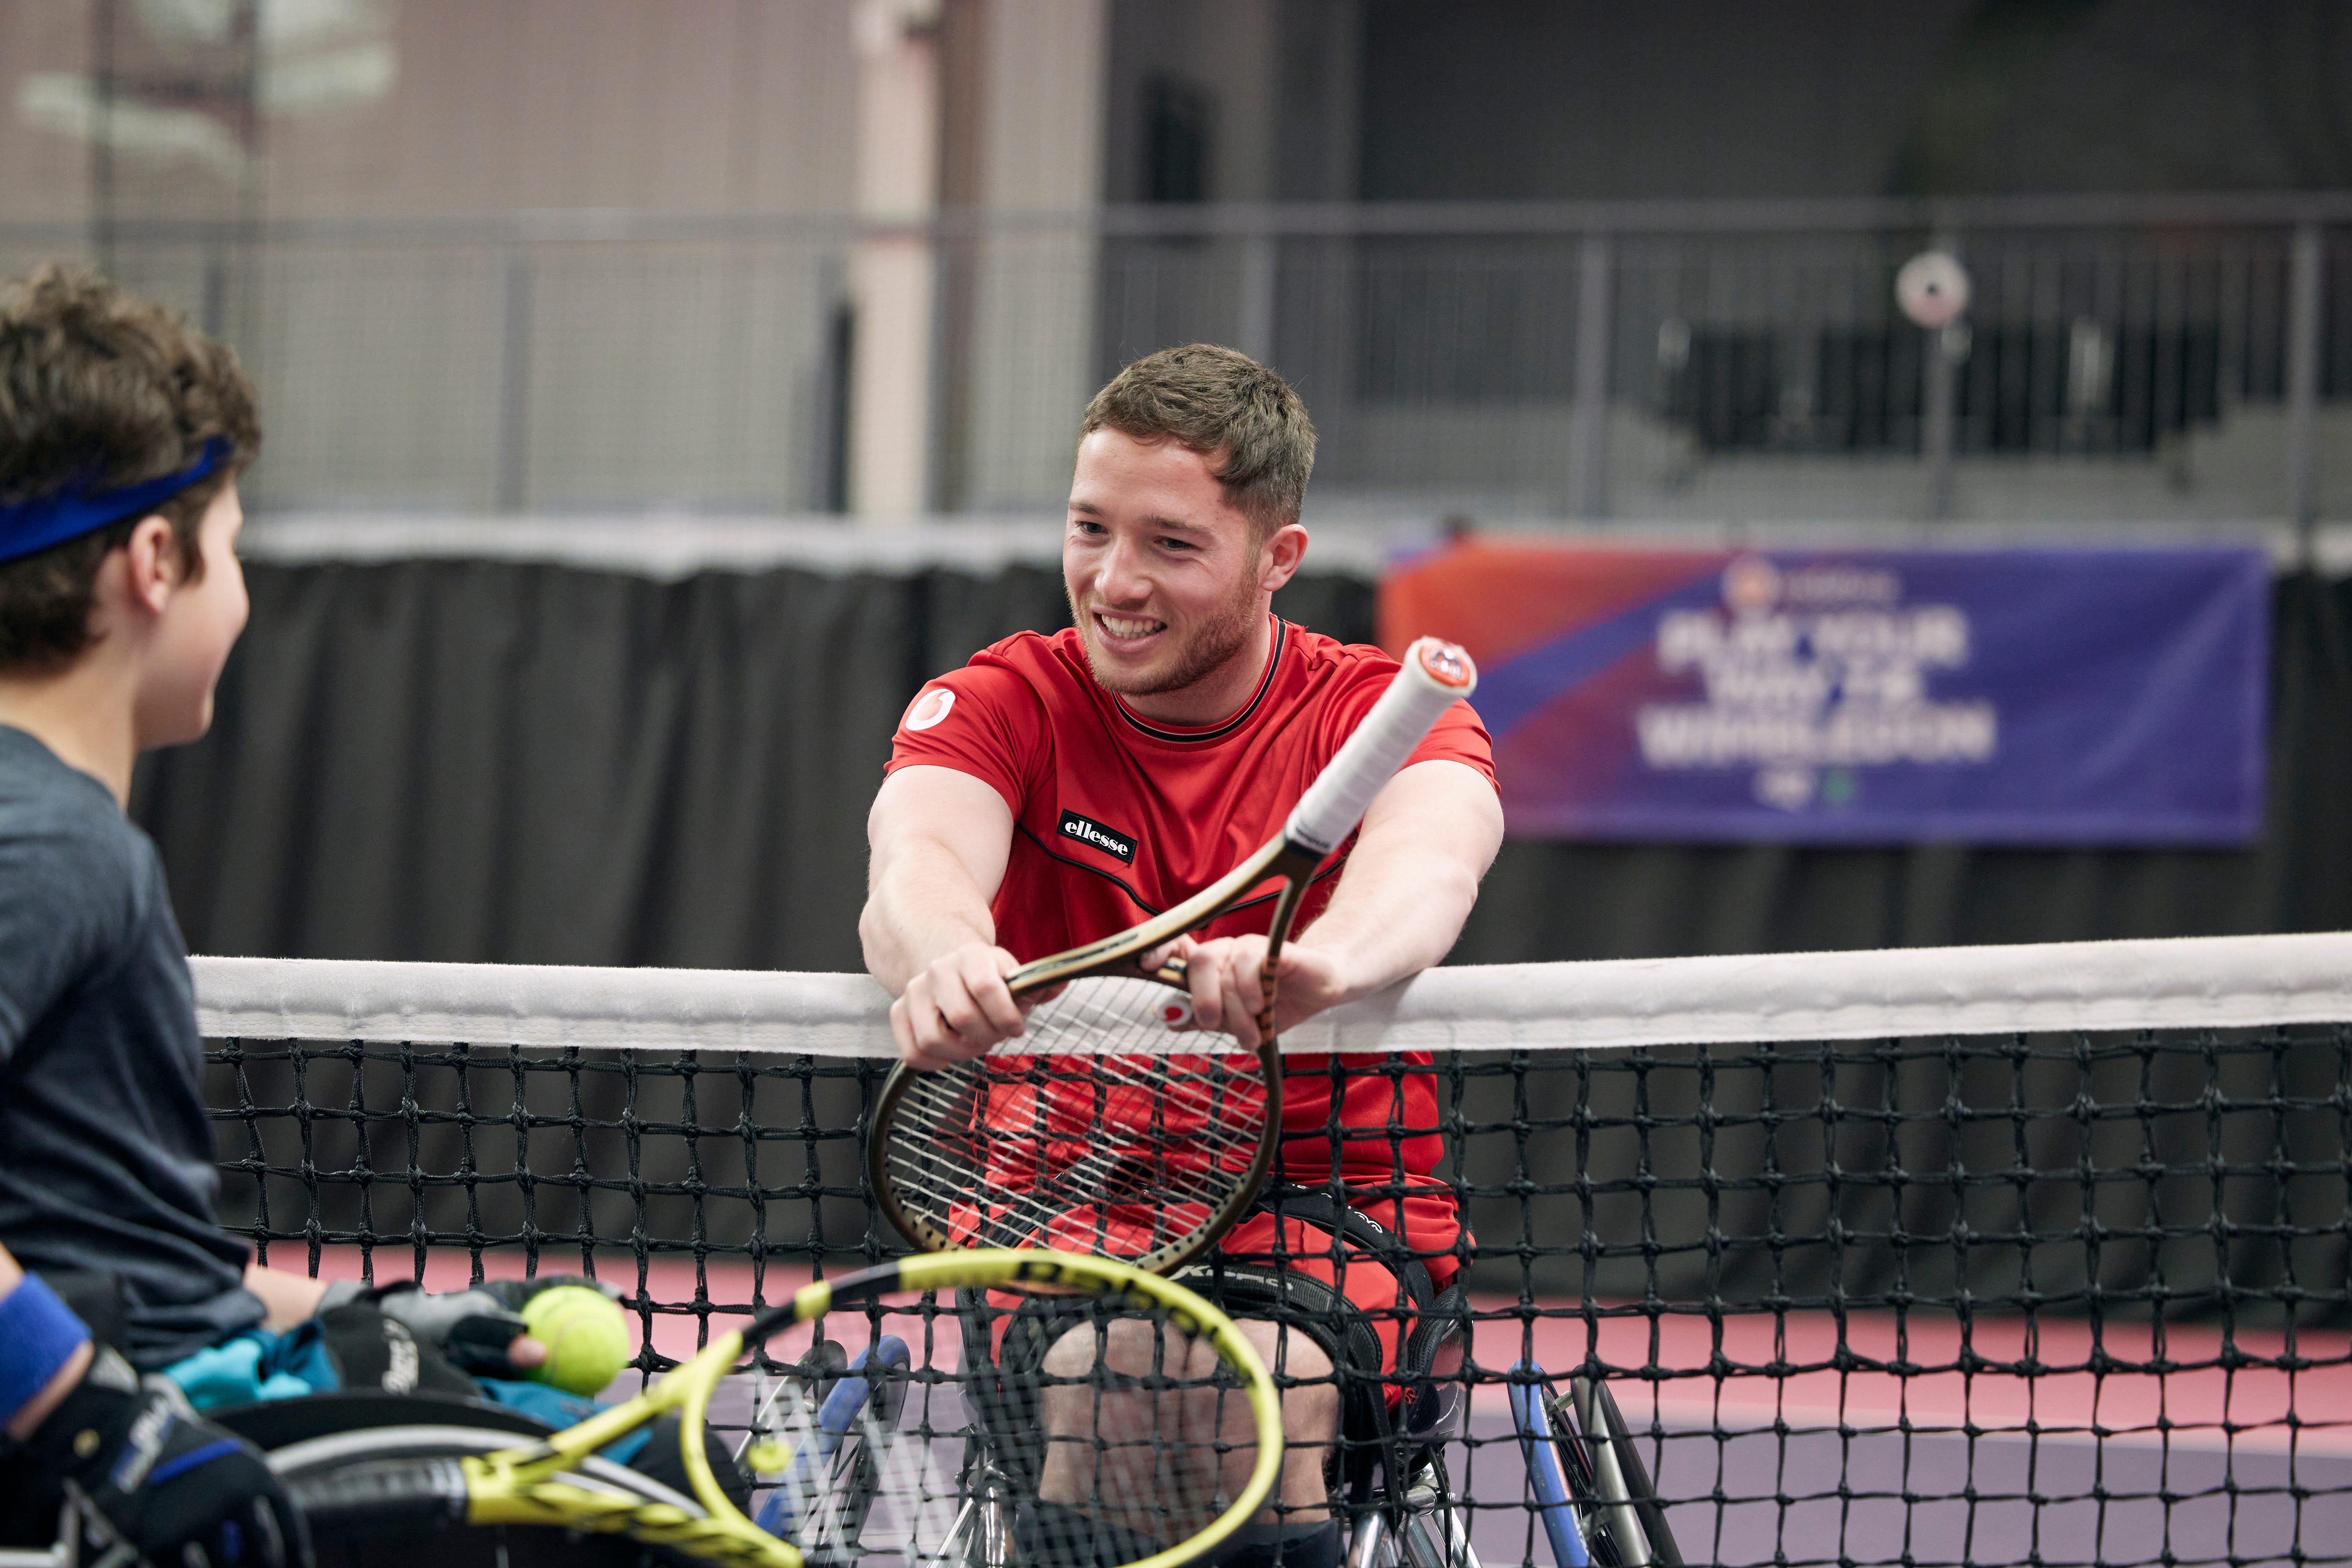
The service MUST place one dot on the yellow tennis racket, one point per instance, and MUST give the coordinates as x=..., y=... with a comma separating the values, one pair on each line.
x=1165, y=1441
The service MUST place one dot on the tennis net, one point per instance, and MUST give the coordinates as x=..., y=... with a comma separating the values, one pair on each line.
x=1929, y=1255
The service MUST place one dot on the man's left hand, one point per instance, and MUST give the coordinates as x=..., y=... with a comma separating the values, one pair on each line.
x=1226, y=978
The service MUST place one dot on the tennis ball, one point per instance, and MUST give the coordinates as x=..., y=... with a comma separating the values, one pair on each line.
x=586, y=1335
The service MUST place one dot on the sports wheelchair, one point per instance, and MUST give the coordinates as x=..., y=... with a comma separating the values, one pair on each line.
x=1390, y=1487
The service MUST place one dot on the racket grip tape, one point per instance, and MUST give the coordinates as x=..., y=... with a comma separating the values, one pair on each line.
x=398, y=1495
x=1434, y=677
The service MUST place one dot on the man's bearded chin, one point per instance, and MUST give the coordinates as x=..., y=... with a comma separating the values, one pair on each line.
x=1205, y=649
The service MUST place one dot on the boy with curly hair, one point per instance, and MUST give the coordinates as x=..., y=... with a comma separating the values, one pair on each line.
x=122, y=434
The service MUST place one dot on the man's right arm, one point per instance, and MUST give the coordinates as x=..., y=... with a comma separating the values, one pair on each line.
x=940, y=840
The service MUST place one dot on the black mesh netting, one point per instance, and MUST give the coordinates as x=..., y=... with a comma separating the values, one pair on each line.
x=2045, y=1297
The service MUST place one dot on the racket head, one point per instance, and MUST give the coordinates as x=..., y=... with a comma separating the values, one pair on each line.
x=866, y=1474
x=1107, y=1127
x=1160, y=1459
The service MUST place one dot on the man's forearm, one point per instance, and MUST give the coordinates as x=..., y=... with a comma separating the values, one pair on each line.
x=1412, y=878
x=1390, y=926
x=922, y=905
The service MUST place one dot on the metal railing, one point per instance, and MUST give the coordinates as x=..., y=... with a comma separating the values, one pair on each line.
x=2182, y=359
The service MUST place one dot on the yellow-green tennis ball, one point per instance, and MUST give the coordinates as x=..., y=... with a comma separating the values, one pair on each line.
x=586, y=1335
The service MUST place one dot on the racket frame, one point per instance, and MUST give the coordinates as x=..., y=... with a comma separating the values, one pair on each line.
x=529, y=1484
x=1132, y=952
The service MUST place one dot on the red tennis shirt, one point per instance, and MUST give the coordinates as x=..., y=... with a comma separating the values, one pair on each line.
x=1116, y=817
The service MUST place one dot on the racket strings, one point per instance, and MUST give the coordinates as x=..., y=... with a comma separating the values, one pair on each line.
x=1145, y=1434
x=1097, y=1130
x=1102, y=1434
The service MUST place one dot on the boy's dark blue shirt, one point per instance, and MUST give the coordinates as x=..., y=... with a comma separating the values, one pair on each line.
x=105, y=1148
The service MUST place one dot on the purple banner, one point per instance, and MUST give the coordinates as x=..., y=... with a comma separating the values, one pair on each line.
x=2011, y=697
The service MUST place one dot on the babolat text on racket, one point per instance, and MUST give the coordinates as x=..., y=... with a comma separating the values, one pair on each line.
x=1160, y=1460
x=1095, y=1129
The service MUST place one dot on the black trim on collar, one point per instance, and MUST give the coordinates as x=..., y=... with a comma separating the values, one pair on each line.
x=1184, y=737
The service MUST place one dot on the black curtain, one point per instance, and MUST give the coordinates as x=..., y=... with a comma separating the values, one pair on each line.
x=529, y=764
x=533, y=764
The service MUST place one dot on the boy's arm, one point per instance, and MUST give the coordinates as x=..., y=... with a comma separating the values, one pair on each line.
x=289, y=1298
x=1409, y=882
x=35, y=1409
x=157, y=1483
x=940, y=840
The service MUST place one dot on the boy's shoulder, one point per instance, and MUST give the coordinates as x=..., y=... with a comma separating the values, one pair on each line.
x=81, y=889
x=64, y=843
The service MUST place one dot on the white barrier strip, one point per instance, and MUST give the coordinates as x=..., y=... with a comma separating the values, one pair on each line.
x=2172, y=983
x=668, y=546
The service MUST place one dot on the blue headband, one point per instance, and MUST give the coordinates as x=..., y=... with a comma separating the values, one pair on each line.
x=32, y=526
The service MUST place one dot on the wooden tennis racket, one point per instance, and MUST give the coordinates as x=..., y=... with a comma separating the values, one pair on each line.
x=1098, y=1129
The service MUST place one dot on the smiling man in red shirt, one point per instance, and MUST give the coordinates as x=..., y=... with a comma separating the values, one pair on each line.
x=1060, y=789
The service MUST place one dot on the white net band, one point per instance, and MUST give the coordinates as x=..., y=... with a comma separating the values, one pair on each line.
x=2179, y=983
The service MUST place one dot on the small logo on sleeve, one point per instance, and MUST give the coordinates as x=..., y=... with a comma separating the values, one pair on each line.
x=1120, y=846
x=929, y=707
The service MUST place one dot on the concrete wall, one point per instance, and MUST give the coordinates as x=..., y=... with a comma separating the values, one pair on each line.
x=1029, y=330
x=443, y=106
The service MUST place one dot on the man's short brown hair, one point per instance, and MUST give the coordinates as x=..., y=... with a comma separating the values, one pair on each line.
x=103, y=389
x=1226, y=406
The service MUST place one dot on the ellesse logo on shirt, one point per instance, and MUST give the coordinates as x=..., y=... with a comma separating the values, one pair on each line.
x=1085, y=831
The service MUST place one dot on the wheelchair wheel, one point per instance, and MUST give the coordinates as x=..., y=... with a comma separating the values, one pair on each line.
x=858, y=1405
x=1613, y=1448
x=1548, y=1485
x=316, y=1469
x=1432, y=1535
x=1579, y=1450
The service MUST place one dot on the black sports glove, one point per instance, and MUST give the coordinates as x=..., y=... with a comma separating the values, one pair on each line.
x=472, y=1328
x=146, y=1480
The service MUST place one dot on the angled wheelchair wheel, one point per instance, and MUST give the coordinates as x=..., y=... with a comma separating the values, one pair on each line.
x=1586, y=1479
x=326, y=1475
x=1547, y=1486
x=823, y=1500
x=1623, y=1478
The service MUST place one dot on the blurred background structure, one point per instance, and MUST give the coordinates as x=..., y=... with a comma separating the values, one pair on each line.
x=1526, y=259
x=625, y=286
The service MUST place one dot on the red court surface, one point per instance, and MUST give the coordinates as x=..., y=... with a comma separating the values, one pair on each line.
x=2198, y=1398
x=726, y=1284
x=2197, y=1402
x=2067, y=1466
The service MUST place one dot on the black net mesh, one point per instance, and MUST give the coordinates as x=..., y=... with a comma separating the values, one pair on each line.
x=2049, y=1298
